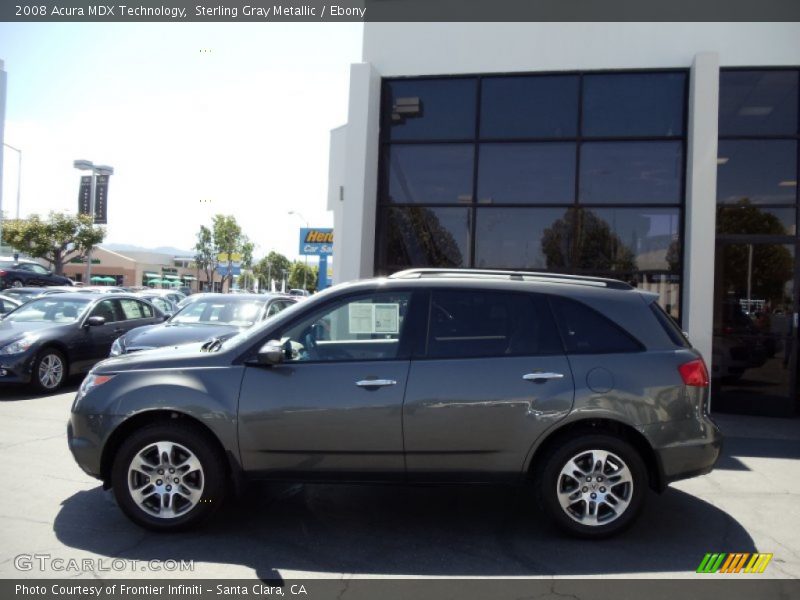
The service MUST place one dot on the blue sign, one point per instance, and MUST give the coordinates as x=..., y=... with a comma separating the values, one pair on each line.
x=234, y=270
x=315, y=241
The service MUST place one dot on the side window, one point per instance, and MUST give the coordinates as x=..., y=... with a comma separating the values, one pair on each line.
x=162, y=305
x=363, y=328
x=107, y=310
x=585, y=331
x=131, y=309
x=276, y=307
x=146, y=309
x=473, y=324
x=39, y=269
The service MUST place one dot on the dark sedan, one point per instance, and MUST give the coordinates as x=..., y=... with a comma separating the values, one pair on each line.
x=19, y=274
x=216, y=316
x=24, y=294
x=52, y=337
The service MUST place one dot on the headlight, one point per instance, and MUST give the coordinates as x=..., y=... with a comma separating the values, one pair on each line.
x=20, y=345
x=90, y=382
x=117, y=348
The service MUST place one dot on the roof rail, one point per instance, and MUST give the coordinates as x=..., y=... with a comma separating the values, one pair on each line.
x=513, y=275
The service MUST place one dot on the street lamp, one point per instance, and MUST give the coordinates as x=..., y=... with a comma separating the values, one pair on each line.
x=304, y=220
x=19, y=171
x=87, y=165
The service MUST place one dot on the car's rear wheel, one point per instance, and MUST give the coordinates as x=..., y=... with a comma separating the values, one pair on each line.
x=168, y=477
x=16, y=283
x=592, y=485
x=49, y=370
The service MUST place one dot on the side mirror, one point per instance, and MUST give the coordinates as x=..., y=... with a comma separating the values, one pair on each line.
x=95, y=321
x=271, y=353
x=168, y=316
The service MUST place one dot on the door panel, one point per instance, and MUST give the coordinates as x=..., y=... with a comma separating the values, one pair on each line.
x=312, y=419
x=477, y=418
x=754, y=358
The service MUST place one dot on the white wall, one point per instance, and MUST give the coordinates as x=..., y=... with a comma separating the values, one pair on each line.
x=397, y=49
x=336, y=196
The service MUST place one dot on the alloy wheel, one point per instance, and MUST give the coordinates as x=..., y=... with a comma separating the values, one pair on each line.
x=595, y=487
x=51, y=371
x=165, y=479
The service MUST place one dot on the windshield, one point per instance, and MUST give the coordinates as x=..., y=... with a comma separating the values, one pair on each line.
x=241, y=312
x=50, y=309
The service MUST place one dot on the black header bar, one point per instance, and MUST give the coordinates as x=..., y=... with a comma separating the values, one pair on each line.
x=399, y=10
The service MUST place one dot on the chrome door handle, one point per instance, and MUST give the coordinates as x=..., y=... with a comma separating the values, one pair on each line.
x=542, y=376
x=375, y=382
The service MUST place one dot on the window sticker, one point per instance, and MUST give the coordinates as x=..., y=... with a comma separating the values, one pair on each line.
x=387, y=318
x=361, y=317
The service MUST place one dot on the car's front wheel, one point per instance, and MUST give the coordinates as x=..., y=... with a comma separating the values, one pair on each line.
x=593, y=485
x=49, y=370
x=168, y=477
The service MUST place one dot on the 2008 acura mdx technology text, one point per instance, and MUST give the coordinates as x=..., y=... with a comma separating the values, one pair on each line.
x=582, y=386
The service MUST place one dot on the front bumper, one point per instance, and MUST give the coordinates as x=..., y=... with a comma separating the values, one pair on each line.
x=17, y=368
x=86, y=437
x=685, y=448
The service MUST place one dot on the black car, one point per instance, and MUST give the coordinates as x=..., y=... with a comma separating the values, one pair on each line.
x=19, y=274
x=52, y=337
x=217, y=316
x=24, y=294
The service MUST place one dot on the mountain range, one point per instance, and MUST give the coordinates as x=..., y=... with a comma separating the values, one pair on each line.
x=161, y=249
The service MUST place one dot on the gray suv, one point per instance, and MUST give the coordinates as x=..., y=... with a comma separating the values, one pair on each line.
x=581, y=386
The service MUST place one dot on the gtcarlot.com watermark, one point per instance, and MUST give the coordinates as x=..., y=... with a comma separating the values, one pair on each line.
x=50, y=563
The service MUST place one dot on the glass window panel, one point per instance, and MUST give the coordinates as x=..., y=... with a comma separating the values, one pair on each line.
x=543, y=106
x=759, y=171
x=758, y=102
x=429, y=174
x=746, y=218
x=417, y=236
x=524, y=238
x=631, y=172
x=585, y=331
x=526, y=173
x=442, y=109
x=626, y=240
x=472, y=324
x=634, y=104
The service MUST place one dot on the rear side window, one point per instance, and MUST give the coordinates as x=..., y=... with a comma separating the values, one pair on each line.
x=475, y=324
x=670, y=326
x=585, y=331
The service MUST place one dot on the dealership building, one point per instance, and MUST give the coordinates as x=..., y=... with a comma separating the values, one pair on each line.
x=663, y=154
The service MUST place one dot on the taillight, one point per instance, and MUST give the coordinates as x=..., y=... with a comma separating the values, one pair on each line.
x=694, y=373
x=2, y=273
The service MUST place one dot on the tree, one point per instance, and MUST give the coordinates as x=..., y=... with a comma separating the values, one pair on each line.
x=229, y=239
x=598, y=248
x=57, y=240
x=301, y=274
x=205, y=256
x=271, y=267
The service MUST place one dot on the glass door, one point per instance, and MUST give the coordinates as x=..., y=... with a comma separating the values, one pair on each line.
x=754, y=357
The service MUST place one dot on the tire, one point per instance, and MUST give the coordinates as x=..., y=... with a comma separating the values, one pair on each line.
x=50, y=371
x=615, y=506
x=169, y=506
x=16, y=283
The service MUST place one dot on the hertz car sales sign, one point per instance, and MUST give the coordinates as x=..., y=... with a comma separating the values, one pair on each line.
x=316, y=241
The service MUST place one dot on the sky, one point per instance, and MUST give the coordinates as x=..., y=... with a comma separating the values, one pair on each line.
x=196, y=119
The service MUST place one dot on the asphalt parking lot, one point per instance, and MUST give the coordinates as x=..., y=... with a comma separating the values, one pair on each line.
x=751, y=502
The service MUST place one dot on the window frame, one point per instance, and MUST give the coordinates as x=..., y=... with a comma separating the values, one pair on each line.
x=383, y=263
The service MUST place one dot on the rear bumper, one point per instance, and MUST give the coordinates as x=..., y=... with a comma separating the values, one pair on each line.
x=686, y=448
